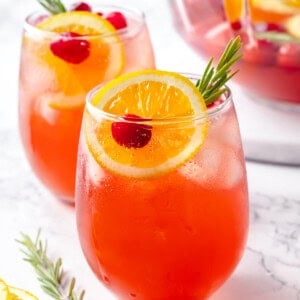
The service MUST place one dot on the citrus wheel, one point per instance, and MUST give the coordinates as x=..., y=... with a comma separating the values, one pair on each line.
x=87, y=51
x=19, y=294
x=3, y=290
x=273, y=11
x=292, y=26
x=156, y=130
x=234, y=10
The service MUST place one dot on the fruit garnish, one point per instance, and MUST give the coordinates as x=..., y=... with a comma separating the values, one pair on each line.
x=81, y=6
x=131, y=135
x=19, y=294
x=273, y=11
x=3, y=290
x=81, y=22
x=234, y=11
x=117, y=19
x=275, y=27
x=71, y=50
x=292, y=26
x=81, y=62
x=12, y=293
x=147, y=138
x=149, y=94
x=53, y=280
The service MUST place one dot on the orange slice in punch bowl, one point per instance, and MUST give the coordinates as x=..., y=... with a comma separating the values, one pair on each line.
x=234, y=11
x=293, y=26
x=104, y=61
x=273, y=11
x=147, y=95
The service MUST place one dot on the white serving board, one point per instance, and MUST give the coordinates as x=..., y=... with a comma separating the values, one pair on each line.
x=270, y=134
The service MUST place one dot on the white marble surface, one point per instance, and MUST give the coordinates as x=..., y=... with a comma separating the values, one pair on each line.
x=270, y=268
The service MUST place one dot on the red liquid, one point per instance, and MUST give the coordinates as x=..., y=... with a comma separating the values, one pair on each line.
x=52, y=97
x=268, y=70
x=178, y=236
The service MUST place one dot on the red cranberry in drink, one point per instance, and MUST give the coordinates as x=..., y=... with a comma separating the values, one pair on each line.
x=274, y=27
x=117, y=19
x=131, y=135
x=289, y=56
x=70, y=48
x=260, y=52
x=215, y=103
x=236, y=25
x=81, y=6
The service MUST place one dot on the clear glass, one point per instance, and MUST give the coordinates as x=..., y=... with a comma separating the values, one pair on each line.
x=175, y=236
x=52, y=92
x=270, y=67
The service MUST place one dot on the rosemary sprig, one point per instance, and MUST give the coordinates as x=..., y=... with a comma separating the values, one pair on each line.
x=53, y=6
x=211, y=84
x=50, y=274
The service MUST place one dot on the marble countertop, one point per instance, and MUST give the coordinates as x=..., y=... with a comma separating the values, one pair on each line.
x=270, y=268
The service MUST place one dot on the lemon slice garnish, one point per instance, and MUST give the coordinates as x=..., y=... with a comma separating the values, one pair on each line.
x=12, y=293
x=3, y=290
x=19, y=294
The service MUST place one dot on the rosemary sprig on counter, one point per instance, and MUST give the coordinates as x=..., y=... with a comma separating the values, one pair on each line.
x=53, y=6
x=51, y=276
x=211, y=84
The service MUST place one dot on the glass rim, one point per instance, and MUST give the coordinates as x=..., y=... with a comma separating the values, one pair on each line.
x=124, y=32
x=210, y=113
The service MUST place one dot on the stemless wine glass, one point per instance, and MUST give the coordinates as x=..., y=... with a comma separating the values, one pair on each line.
x=271, y=36
x=175, y=235
x=57, y=70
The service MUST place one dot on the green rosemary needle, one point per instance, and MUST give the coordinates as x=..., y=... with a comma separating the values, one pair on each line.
x=50, y=274
x=53, y=6
x=212, y=83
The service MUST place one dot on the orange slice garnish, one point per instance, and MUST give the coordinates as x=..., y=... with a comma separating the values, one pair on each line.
x=155, y=95
x=105, y=60
x=234, y=10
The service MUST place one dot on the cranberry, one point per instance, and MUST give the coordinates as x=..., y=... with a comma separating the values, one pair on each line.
x=215, y=103
x=131, y=135
x=289, y=56
x=117, y=19
x=71, y=50
x=261, y=52
x=81, y=6
x=275, y=27
x=237, y=25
